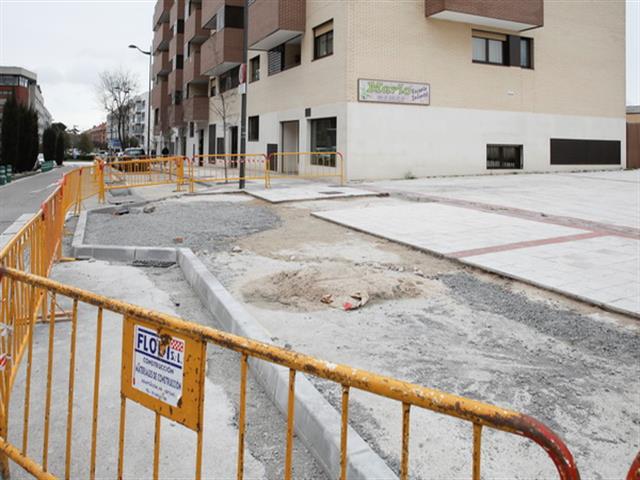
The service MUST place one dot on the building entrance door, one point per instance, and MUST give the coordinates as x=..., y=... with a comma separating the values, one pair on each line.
x=290, y=143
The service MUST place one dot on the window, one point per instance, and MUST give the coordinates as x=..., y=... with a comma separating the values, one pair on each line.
x=323, y=139
x=255, y=69
x=230, y=79
x=212, y=88
x=489, y=48
x=285, y=56
x=254, y=128
x=191, y=128
x=504, y=157
x=179, y=62
x=526, y=50
x=499, y=49
x=323, y=40
x=156, y=116
x=229, y=16
x=177, y=97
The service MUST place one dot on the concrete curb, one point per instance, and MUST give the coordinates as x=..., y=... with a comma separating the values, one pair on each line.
x=116, y=253
x=11, y=230
x=316, y=421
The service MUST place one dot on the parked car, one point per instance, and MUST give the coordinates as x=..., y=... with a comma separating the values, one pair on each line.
x=131, y=153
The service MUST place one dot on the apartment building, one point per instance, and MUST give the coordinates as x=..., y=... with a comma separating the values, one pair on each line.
x=98, y=135
x=411, y=88
x=138, y=119
x=23, y=84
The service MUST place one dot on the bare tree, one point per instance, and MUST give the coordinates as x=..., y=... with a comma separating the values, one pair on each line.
x=115, y=92
x=223, y=105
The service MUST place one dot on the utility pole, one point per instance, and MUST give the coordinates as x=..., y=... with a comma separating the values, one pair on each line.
x=150, y=54
x=243, y=109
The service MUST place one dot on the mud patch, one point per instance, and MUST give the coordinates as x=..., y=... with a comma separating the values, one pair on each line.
x=332, y=284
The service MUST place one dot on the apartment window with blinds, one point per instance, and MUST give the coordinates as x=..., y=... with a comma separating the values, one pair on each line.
x=499, y=49
x=230, y=79
x=254, y=63
x=504, y=157
x=285, y=56
x=323, y=40
x=489, y=48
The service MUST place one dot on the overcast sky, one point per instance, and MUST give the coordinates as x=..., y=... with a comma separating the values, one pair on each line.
x=66, y=42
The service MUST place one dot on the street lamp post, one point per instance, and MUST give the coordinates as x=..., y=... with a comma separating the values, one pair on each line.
x=148, y=97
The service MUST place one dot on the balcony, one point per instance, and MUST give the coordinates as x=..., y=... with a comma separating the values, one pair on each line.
x=196, y=109
x=210, y=9
x=175, y=81
x=515, y=15
x=176, y=46
x=273, y=22
x=175, y=115
x=161, y=65
x=191, y=72
x=177, y=12
x=159, y=95
x=193, y=31
x=221, y=52
x=161, y=38
x=161, y=12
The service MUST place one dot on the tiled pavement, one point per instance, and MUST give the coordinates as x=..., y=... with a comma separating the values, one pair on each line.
x=600, y=266
x=307, y=191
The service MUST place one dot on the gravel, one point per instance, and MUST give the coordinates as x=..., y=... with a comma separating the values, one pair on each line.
x=266, y=427
x=199, y=225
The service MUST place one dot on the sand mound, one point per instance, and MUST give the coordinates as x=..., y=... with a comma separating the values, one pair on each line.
x=332, y=285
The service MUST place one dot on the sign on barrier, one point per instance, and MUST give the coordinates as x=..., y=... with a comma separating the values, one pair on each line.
x=163, y=371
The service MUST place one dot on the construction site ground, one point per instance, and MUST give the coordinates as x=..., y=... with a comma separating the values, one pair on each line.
x=421, y=318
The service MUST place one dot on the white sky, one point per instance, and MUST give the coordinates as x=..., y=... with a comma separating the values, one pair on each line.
x=66, y=42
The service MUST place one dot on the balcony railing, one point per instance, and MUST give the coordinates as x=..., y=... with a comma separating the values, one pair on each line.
x=161, y=12
x=196, y=109
x=191, y=72
x=513, y=15
x=161, y=38
x=193, y=31
x=221, y=52
x=273, y=22
x=175, y=114
x=161, y=65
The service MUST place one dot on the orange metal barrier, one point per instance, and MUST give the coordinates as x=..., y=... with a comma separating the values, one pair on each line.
x=28, y=297
x=634, y=471
x=306, y=165
x=191, y=341
x=225, y=168
x=143, y=173
x=34, y=248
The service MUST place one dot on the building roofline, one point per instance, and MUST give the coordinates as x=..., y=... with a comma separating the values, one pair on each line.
x=19, y=71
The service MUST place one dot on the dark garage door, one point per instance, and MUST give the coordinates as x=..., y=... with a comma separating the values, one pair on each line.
x=585, y=152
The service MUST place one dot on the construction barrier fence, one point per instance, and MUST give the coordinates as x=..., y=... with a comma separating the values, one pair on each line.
x=144, y=172
x=328, y=166
x=165, y=338
x=206, y=170
x=29, y=297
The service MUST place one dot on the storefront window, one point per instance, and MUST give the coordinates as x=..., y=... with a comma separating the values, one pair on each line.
x=323, y=139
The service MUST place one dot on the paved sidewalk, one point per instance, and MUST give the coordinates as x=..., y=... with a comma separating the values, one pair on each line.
x=581, y=256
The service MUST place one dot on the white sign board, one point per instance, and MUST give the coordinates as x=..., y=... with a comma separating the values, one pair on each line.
x=384, y=91
x=158, y=368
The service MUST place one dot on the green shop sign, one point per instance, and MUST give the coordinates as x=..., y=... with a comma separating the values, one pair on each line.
x=383, y=91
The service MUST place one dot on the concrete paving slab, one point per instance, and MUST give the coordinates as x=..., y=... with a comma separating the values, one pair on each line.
x=591, y=266
x=309, y=191
x=564, y=194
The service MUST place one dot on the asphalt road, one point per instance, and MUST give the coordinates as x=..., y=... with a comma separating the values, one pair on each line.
x=26, y=194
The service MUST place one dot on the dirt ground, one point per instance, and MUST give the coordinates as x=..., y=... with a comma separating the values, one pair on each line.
x=436, y=323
